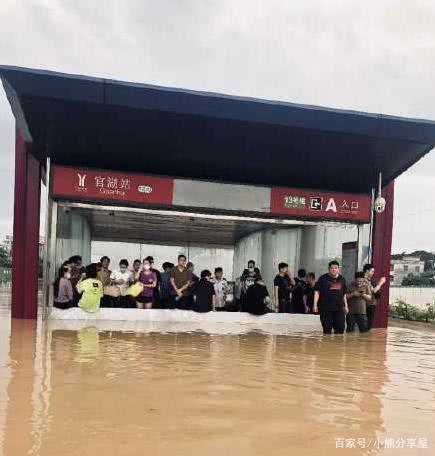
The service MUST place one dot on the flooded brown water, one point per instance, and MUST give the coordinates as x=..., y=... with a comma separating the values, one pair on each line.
x=92, y=391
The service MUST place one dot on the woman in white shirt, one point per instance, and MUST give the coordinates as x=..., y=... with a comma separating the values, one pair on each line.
x=122, y=279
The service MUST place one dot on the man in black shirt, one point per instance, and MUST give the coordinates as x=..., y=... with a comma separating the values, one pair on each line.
x=191, y=267
x=309, y=291
x=282, y=286
x=298, y=292
x=165, y=285
x=256, y=298
x=247, y=280
x=330, y=300
x=204, y=294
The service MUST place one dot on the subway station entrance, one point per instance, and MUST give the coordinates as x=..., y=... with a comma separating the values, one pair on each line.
x=123, y=215
x=155, y=166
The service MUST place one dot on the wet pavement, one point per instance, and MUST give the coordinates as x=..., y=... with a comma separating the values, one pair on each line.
x=78, y=389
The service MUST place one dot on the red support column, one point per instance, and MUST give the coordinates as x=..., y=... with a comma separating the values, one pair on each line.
x=27, y=196
x=382, y=240
x=19, y=235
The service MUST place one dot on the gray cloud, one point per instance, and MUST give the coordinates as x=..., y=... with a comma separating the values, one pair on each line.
x=371, y=56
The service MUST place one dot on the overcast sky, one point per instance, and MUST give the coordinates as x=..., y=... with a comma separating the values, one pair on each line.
x=375, y=56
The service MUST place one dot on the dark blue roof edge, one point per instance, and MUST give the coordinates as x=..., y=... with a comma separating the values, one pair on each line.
x=5, y=69
x=20, y=118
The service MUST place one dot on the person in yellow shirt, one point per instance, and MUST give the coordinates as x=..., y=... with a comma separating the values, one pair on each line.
x=91, y=289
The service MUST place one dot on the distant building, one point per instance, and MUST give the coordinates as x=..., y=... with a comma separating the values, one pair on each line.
x=7, y=244
x=399, y=269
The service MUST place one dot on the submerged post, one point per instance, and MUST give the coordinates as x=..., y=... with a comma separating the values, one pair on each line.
x=25, y=232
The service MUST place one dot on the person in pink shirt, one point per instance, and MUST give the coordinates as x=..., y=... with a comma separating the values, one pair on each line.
x=63, y=298
x=148, y=279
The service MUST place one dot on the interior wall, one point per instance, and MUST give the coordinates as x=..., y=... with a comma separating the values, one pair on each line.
x=212, y=257
x=321, y=244
x=73, y=236
x=268, y=248
x=247, y=248
x=279, y=245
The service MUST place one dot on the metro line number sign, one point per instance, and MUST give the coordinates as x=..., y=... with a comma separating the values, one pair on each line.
x=320, y=204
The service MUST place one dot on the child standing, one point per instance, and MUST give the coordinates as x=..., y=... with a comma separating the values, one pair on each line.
x=221, y=289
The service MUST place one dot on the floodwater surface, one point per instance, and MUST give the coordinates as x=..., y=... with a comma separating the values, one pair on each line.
x=87, y=390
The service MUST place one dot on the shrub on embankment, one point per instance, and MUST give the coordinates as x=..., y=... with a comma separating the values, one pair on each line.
x=404, y=311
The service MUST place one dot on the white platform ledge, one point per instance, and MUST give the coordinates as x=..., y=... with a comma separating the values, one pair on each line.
x=183, y=320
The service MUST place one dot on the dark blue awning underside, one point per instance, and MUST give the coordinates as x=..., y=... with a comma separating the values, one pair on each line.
x=83, y=121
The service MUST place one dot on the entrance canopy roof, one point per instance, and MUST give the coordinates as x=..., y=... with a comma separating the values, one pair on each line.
x=93, y=122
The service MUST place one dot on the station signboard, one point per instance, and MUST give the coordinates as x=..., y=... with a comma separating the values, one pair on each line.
x=315, y=204
x=130, y=188
x=92, y=184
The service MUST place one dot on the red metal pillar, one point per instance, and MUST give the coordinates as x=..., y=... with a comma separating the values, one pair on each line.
x=382, y=239
x=25, y=252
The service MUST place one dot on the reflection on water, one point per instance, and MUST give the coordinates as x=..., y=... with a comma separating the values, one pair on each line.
x=91, y=391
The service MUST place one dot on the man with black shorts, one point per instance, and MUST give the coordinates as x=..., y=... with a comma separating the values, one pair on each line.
x=281, y=286
x=309, y=291
x=330, y=300
x=298, y=293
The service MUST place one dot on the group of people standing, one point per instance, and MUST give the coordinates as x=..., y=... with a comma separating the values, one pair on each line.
x=343, y=307
x=294, y=294
x=340, y=306
x=142, y=286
